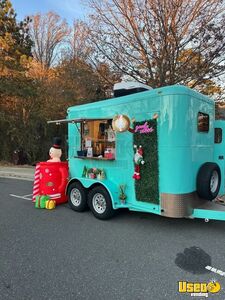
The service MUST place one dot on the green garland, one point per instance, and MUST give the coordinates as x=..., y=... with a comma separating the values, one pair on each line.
x=147, y=188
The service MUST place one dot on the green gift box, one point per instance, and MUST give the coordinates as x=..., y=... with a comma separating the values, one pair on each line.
x=40, y=201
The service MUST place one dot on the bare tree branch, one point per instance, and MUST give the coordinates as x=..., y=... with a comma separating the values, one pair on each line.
x=48, y=32
x=159, y=42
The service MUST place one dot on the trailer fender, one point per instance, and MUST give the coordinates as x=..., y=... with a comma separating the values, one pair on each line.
x=89, y=184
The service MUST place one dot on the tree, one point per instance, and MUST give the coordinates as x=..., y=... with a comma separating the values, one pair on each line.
x=206, y=86
x=48, y=32
x=33, y=91
x=81, y=53
x=160, y=42
x=15, y=43
x=79, y=47
x=17, y=92
x=78, y=82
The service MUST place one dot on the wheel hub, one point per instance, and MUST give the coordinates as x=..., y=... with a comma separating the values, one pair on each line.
x=214, y=181
x=99, y=203
x=75, y=197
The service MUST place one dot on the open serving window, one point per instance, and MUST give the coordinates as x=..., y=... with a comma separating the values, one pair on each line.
x=97, y=138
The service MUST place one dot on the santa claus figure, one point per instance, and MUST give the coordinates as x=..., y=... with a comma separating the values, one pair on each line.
x=138, y=160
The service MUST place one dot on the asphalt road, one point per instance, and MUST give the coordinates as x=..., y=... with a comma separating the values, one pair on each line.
x=61, y=254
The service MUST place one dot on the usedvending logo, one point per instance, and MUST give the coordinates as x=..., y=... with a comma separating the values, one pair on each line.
x=198, y=289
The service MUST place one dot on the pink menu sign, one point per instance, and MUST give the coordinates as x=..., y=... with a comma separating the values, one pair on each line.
x=143, y=128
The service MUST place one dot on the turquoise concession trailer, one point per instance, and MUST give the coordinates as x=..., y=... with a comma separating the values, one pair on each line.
x=158, y=151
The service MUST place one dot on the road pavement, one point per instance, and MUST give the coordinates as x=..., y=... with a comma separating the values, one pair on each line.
x=61, y=254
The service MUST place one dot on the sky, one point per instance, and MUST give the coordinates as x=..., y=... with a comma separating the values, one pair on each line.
x=67, y=9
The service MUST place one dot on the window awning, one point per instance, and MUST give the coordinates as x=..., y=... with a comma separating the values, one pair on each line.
x=65, y=121
x=76, y=120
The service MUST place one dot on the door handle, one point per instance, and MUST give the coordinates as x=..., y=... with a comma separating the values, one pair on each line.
x=221, y=157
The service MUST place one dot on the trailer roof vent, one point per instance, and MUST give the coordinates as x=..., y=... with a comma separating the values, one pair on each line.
x=127, y=88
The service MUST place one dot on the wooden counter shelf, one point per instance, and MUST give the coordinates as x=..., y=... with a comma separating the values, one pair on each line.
x=94, y=158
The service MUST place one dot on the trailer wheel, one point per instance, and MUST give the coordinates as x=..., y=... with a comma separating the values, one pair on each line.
x=100, y=203
x=77, y=197
x=208, y=181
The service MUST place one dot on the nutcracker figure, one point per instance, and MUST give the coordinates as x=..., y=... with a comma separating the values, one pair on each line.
x=138, y=160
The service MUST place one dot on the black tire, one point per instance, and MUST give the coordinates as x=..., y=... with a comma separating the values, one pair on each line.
x=100, y=203
x=77, y=197
x=208, y=181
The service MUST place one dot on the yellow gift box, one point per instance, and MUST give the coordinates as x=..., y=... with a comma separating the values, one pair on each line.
x=50, y=204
